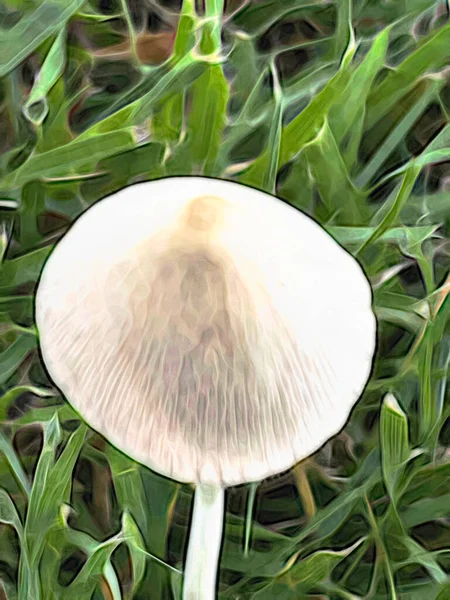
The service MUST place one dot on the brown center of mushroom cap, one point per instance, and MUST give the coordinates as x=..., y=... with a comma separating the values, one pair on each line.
x=204, y=213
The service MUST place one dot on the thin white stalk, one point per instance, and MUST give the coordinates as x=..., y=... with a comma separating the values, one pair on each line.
x=205, y=541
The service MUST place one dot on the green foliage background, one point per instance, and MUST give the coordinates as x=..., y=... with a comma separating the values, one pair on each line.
x=340, y=108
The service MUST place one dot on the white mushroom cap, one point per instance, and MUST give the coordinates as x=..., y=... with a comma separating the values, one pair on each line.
x=208, y=330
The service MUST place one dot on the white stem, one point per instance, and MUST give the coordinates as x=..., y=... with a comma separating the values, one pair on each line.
x=205, y=539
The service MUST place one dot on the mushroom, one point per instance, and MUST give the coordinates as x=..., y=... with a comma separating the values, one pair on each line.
x=211, y=332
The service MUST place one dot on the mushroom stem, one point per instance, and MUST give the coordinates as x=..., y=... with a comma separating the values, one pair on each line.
x=205, y=540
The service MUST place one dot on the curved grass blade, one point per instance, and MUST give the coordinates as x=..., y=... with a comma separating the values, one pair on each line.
x=332, y=179
x=66, y=159
x=21, y=40
x=431, y=54
x=307, y=124
x=35, y=108
x=402, y=196
x=263, y=176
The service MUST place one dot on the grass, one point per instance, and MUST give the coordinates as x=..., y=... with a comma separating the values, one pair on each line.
x=340, y=108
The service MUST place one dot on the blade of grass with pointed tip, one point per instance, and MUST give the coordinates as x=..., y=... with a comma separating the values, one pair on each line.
x=28, y=577
x=394, y=444
x=349, y=236
x=88, y=544
x=304, y=575
x=51, y=485
x=401, y=197
x=307, y=124
x=65, y=159
x=419, y=555
x=332, y=179
x=212, y=26
x=167, y=120
x=21, y=40
x=265, y=177
x=35, y=108
x=426, y=510
x=185, y=38
x=88, y=578
x=404, y=319
x=353, y=99
x=343, y=28
x=297, y=189
x=126, y=475
x=136, y=547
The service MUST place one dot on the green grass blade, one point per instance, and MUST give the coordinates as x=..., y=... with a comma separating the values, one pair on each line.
x=401, y=197
x=398, y=134
x=328, y=169
x=206, y=119
x=24, y=268
x=32, y=203
x=257, y=17
x=135, y=543
x=431, y=54
x=88, y=544
x=307, y=124
x=89, y=577
x=264, y=178
x=167, y=122
x=35, y=108
x=346, y=110
x=13, y=460
x=185, y=38
x=249, y=516
x=12, y=394
x=394, y=444
x=305, y=574
x=51, y=485
x=344, y=28
x=9, y=514
x=126, y=476
x=22, y=39
x=14, y=356
x=186, y=70
x=212, y=28
x=297, y=189
x=66, y=159
x=427, y=405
